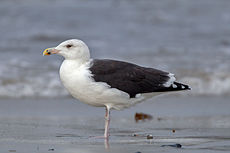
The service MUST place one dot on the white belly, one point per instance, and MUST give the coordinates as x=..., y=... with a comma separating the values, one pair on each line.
x=78, y=81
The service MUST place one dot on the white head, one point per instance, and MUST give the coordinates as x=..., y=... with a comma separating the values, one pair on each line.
x=72, y=49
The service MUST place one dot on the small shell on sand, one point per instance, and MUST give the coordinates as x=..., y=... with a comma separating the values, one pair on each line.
x=150, y=136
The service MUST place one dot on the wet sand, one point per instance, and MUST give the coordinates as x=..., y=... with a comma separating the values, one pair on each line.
x=201, y=124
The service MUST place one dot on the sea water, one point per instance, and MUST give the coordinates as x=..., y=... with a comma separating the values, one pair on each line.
x=188, y=38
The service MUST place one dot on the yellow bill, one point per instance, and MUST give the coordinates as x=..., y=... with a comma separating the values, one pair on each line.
x=50, y=51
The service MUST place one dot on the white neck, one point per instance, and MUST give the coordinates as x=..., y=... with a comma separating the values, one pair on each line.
x=75, y=63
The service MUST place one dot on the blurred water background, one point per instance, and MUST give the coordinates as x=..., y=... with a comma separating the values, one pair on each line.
x=188, y=38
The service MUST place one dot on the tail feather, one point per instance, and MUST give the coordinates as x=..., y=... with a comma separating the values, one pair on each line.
x=175, y=86
x=180, y=86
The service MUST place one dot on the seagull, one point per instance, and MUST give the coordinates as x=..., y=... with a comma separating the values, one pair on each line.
x=109, y=83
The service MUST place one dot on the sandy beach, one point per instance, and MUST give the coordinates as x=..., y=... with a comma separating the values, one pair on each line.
x=200, y=124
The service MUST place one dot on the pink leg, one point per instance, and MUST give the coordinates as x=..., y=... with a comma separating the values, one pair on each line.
x=107, y=121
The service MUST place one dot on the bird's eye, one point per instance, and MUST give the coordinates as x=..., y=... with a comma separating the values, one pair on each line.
x=69, y=45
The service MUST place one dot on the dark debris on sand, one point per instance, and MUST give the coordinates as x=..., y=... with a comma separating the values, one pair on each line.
x=142, y=117
x=177, y=145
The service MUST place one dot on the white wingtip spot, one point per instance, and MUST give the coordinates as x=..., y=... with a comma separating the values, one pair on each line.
x=183, y=87
x=174, y=86
x=170, y=81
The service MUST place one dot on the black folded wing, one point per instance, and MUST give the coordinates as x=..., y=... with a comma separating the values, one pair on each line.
x=133, y=79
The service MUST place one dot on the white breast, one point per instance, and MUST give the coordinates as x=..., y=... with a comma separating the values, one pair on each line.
x=77, y=79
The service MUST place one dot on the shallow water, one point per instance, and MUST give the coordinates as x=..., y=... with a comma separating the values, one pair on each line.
x=188, y=38
x=65, y=125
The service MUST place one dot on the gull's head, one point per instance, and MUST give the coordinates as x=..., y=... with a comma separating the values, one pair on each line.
x=73, y=49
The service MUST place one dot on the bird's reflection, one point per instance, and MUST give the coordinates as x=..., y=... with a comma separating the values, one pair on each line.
x=106, y=143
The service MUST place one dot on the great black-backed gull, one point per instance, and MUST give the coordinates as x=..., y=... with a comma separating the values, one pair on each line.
x=109, y=83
